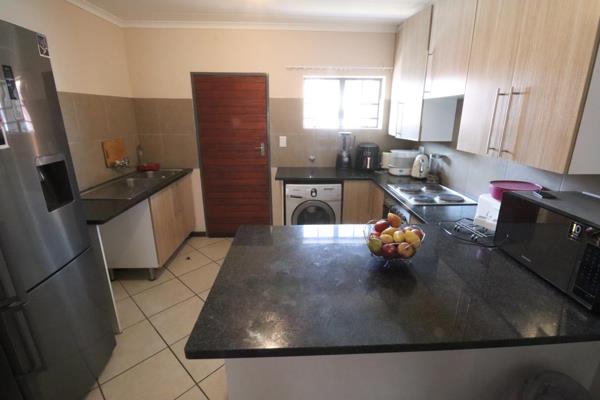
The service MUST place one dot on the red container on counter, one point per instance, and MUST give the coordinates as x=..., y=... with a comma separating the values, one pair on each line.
x=497, y=188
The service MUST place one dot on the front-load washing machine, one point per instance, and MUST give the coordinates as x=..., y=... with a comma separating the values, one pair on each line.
x=307, y=204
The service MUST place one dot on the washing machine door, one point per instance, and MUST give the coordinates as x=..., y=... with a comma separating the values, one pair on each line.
x=313, y=212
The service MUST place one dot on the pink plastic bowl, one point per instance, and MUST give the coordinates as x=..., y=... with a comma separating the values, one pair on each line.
x=497, y=188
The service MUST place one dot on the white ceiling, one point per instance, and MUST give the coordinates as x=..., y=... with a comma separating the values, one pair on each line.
x=375, y=13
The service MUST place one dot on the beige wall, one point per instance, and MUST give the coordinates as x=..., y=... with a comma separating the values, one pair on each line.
x=161, y=59
x=88, y=53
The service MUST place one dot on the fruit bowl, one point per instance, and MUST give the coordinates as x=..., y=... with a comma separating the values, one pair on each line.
x=393, y=239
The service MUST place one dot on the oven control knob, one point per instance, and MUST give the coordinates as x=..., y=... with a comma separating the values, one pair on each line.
x=313, y=192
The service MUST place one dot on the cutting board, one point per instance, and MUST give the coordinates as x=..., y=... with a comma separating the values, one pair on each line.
x=114, y=150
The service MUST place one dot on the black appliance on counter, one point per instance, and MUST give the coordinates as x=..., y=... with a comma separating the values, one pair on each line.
x=557, y=238
x=367, y=156
x=56, y=311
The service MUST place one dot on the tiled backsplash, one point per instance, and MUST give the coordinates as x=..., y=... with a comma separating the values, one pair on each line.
x=167, y=131
x=90, y=119
x=286, y=120
x=470, y=173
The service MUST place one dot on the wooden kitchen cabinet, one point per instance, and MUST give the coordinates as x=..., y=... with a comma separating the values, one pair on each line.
x=410, y=70
x=172, y=217
x=554, y=59
x=362, y=202
x=449, y=47
x=493, y=52
x=528, y=75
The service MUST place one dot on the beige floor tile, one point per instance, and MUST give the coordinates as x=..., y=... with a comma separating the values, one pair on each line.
x=161, y=297
x=136, y=280
x=199, y=369
x=118, y=290
x=193, y=394
x=201, y=279
x=216, y=251
x=135, y=344
x=215, y=386
x=129, y=314
x=204, y=295
x=199, y=242
x=188, y=262
x=186, y=248
x=177, y=322
x=158, y=378
x=95, y=394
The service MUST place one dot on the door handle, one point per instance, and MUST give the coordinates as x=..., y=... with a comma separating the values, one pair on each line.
x=493, y=121
x=513, y=92
x=21, y=350
x=261, y=149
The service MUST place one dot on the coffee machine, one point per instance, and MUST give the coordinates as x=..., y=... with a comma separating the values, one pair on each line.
x=344, y=158
x=367, y=156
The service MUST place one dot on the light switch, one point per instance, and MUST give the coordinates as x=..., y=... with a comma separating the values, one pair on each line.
x=282, y=141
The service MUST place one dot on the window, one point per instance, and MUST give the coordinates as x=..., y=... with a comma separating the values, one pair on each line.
x=343, y=103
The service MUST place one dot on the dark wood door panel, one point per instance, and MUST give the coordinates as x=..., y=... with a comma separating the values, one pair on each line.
x=232, y=120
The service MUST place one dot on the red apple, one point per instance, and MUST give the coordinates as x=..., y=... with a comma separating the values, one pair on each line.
x=381, y=225
x=405, y=250
x=388, y=251
x=419, y=232
x=374, y=233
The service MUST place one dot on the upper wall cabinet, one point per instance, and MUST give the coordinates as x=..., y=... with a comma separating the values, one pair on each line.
x=527, y=81
x=412, y=44
x=449, y=47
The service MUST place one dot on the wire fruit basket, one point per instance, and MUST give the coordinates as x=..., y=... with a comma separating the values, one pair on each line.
x=391, y=243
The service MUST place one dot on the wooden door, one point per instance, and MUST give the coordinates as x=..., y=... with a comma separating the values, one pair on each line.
x=554, y=59
x=232, y=123
x=414, y=45
x=491, y=66
x=449, y=47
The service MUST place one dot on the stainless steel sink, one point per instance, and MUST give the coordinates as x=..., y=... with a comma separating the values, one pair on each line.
x=129, y=186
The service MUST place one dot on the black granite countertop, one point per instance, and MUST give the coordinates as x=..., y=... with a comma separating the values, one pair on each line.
x=428, y=214
x=98, y=212
x=315, y=290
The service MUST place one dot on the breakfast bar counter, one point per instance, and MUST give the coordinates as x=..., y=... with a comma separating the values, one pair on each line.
x=314, y=290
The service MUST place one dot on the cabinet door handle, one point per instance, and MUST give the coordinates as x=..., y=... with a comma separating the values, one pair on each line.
x=261, y=149
x=493, y=121
x=512, y=93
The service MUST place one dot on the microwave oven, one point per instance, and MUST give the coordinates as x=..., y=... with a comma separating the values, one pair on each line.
x=556, y=238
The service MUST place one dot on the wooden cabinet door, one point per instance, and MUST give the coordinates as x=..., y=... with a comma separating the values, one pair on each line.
x=491, y=65
x=186, y=206
x=413, y=49
x=554, y=59
x=449, y=47
x=166, y=232
x=362, y=202
x=231, y=114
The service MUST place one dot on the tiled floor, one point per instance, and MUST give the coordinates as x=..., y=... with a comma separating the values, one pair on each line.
x=157, y=317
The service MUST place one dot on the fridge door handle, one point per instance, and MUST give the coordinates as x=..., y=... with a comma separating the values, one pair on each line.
x=7, y=289
x=21, y=350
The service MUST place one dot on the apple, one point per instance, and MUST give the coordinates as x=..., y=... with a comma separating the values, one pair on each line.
x=419, y=232
x=375, y=246
x=398, y=236
x=394, y=220
x=386, y=238
x=405, y=250
x=374, y=233
x=412, y=238
x=381, y=225
x=389, y=251
x=389, y=231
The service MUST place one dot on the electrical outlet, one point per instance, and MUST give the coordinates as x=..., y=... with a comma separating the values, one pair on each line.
x=282, y=141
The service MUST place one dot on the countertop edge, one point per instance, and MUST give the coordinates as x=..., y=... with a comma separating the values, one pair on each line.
x=378, y=349
x=136, y=200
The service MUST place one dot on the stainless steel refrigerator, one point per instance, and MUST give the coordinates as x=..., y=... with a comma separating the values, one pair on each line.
x=56, y=311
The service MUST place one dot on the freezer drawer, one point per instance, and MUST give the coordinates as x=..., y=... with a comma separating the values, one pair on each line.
x=61, y=337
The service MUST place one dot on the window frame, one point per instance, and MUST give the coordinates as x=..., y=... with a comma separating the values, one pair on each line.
x=343, y=79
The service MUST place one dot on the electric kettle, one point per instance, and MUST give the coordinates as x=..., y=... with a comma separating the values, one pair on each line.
x=420, y=167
